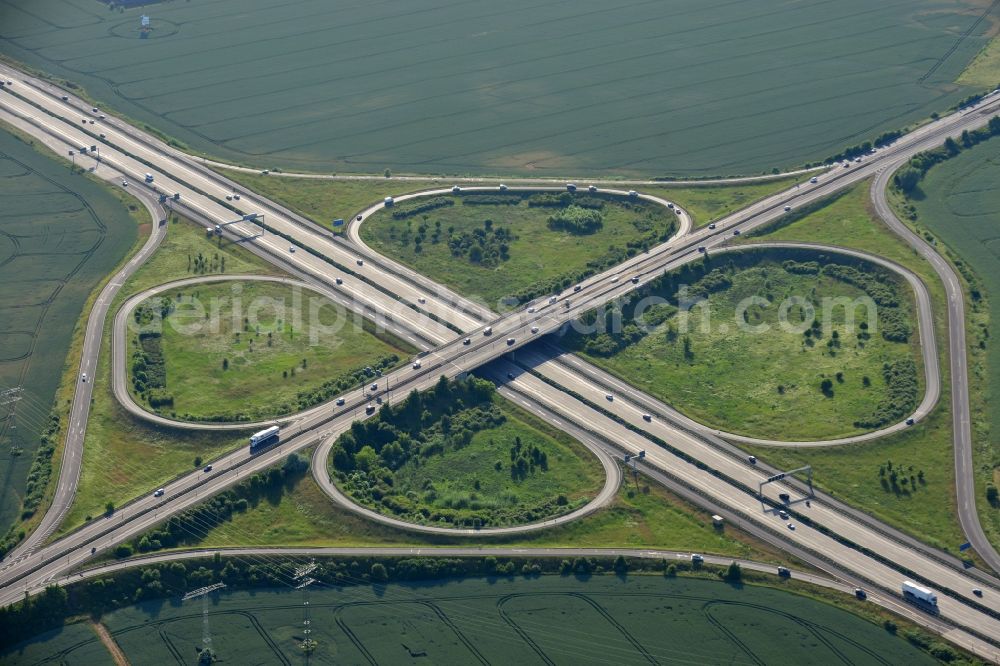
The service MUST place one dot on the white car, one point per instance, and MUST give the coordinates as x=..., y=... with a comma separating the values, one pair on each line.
x=421, y=300
x=531, y=310
x=553, y=299
x=614, y=279
x=124, y=183
x=85, y=377
x=159, y=492
x=340, y=402
x=814, y=180
x=416, y=365
x=534, y=329
x=291, y=248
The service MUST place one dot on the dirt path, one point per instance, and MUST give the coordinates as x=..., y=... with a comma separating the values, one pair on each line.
x=110, y=644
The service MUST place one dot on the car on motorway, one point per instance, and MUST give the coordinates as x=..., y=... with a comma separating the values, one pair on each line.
x=229, y=197
x=783, y=514
x=847, y=165
x=784, y=497
x=421, y=300
x=696, y=558
x=124, y=183
x=64, y=98
x=635, y=280
x=416, y=365
x=647, y=417
x=340, y=402
x=787, y=208
x=670, y=205
x=736, y=232
x=577, y=288
x=534, y=329
x=358, y=218
x=510, y=375
x=236, y=196
x=208, y=468
x=910, y=421
x=339, y=280
x=976, y=591
x=361, y=262
x=752, y=460
x=488, y=330
x=791, y=526
x=531, y=310
x=291, y=248
x=467, y=341
x=553, y=299
x=701, y=249
x=592, y=189
x=510, y=341
x=711, y=226
x=374, y=387
x=159, y=492
x=369, y=409
x=502, y=187
x=860, y=594
x=609, y=397
x=84, y=378
x=614, y=279
x=814, y=180
x=784, y=572
x=103, y=135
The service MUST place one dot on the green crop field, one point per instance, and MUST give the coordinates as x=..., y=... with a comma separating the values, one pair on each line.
x=60, y=235
x=657, y=88
x=737, y=366
x=260, y=350
x=520, y=254
x=551, y=619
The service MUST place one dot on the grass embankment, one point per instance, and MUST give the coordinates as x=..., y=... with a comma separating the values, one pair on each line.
x=706, y=203
x=957, y=203
x=234, y=351
x=123, y=456
x=739, y=366
x=64, y=233
x=461, y=456
x=984, y=70
x=852, y=472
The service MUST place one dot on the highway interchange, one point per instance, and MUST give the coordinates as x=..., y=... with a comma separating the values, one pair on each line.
x=565, y=387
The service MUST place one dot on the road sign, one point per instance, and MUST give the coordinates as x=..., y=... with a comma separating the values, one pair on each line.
x=965, y=546
x=338, y=222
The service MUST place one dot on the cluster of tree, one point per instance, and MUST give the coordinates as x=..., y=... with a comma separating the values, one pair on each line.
x=564, y=200
x=476, y=199
x=201, y=264
x=524, y=459
x=487, y=246
x=883, y=139
x=149, y=373
x=189, y=527
x=39, y=475
x=619, y=324
x=900, y=478
x=902, y=391
x=577, y=220
x=908, y=177
x=420, y=205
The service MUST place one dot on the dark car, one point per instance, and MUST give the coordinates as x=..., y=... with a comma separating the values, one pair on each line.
x=208, y=468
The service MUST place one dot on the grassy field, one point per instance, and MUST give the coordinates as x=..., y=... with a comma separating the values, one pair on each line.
x=631, y=620
x=123, y=457
x=292, y=342
x=536, y=253
x=764, y=382
x=60, y=235
x=529, y=87
x=958, y=204
x=852, y=473
x=984, y=70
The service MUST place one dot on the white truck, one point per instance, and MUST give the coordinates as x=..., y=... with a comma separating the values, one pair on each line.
x=263, y=438
x=919, y=593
